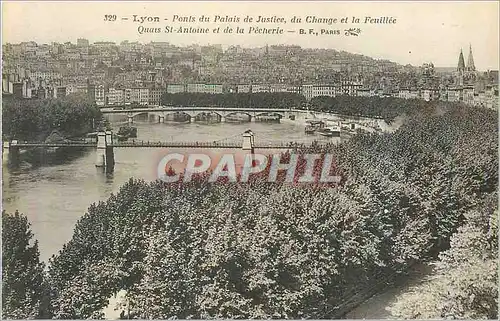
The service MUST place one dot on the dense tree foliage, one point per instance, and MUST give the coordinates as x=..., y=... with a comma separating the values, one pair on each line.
x=234, y=100
x=277, y=250
x=378, y=107
x=23, y=285
x=465, y=285
x=34, y=119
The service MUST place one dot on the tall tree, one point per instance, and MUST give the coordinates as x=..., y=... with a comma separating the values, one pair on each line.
x=23, y=285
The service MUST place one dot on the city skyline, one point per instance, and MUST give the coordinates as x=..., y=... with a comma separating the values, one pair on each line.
x=436, y=32
x=227, y=46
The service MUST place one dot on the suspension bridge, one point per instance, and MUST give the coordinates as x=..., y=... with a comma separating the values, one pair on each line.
x=104, y=143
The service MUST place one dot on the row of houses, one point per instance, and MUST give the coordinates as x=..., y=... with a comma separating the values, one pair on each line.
x=469, y=95
x=152, y=96
x=487, y=97
x=120, y=96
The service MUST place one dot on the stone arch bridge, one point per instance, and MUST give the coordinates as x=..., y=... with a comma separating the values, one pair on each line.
x=192, y=112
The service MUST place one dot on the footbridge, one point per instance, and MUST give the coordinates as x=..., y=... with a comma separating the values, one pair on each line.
x=104, y=144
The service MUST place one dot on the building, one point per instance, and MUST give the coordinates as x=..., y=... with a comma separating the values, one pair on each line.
x=195, y=88
x=6, y=88
x=311, y=91
x=17, y=89
x=294, y=89
x=47, y=75
x=429, y=94
x=454, y=94
x=406, y=93
x=258, y=88
x=155, y=96
x=134, y=95
x=468, y=95
x=349, y=88
x=214, y=89
x=116, y=96
x=60, y=92
x=244, y=88
x=143, y=96
x=80, y=42
x=278, y=88
x=364, y=92
x=466, y=73
x=470, y=61
x=204, y=88
x=461, y=62
x=176, y=88
x=100, y=95
x=127, y=96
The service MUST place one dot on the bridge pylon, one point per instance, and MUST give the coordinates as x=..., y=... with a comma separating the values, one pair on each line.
x=248, y=141
x=11, y=152
x=105, y=155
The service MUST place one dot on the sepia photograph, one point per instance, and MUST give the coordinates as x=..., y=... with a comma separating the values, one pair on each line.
x=250, y=160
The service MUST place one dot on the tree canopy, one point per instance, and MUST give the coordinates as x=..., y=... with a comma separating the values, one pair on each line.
x=34, y=119
x=234, y=100
x=23, y=283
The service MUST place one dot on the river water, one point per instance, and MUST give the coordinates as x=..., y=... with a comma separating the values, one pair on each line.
x=55, y=194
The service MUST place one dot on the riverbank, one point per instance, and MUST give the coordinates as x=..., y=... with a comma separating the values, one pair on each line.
x=364, y=123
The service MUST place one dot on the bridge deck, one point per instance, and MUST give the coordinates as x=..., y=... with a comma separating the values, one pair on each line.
x=143, y=109
x=120, y=109
x=58, y=144
x=159, y=144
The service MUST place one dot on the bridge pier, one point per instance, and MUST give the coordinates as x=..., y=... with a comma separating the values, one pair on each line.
x=161, y=119
x=192, y=119
x=130, y=120
x=222, y=119
x=105, y=155
x=252, y=118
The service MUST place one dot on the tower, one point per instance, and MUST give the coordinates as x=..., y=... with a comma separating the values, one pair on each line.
x=461, y=62
x=470, y=61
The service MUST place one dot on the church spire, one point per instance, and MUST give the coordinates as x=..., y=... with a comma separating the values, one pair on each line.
x=461, y=62
x=470, y=61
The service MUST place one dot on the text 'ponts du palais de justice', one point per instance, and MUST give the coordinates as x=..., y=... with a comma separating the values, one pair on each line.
x=309, y=25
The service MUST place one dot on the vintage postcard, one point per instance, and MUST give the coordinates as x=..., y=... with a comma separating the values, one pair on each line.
x=250, y=160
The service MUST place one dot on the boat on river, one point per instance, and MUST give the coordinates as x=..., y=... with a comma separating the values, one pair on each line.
x=126, y=132
x=331, y=131
x=313, y=125
x=310, y=129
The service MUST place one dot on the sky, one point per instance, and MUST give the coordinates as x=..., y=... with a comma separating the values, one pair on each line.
x=424, y=31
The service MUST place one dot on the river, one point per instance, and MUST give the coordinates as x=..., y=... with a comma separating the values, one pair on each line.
x=56, y=194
